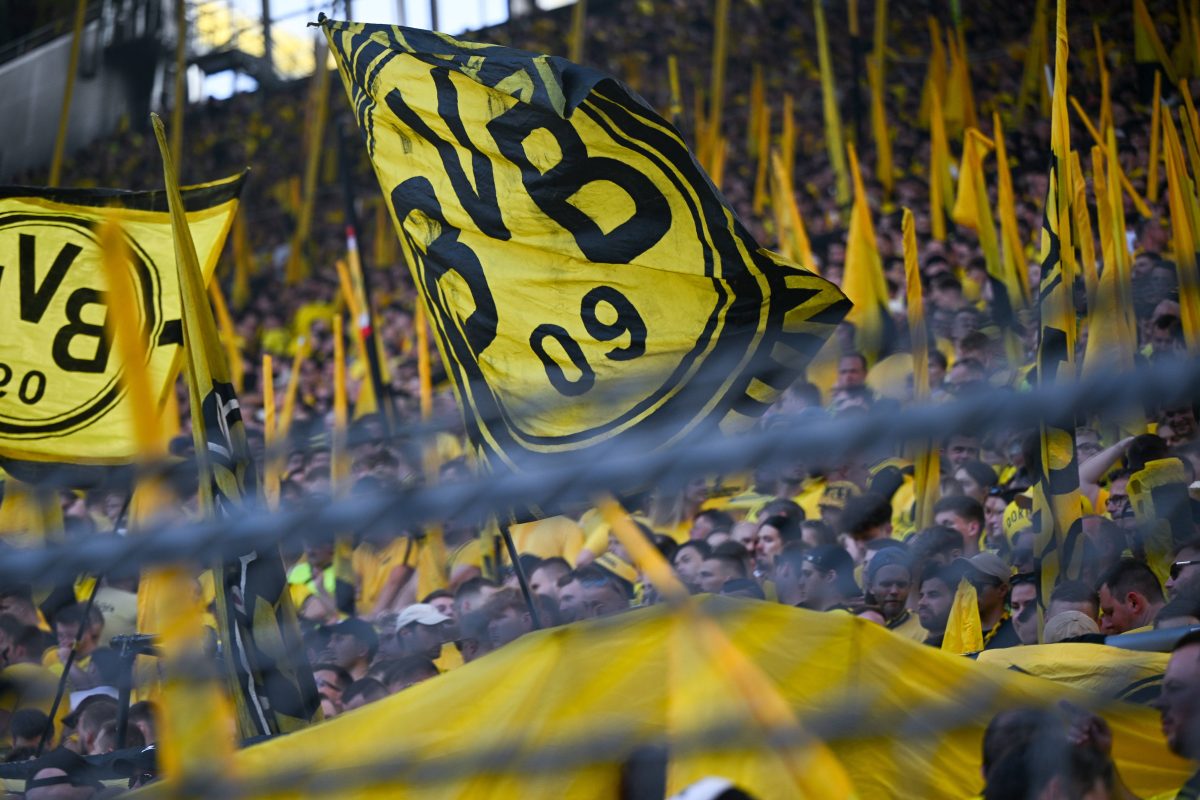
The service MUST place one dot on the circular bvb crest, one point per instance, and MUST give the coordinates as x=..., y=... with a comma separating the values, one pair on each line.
x=57, y=374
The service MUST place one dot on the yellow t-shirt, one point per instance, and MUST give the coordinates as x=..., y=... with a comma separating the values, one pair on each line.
x=550, y=537
x=372, y=567
x=909, y=626
x=467, y=554
x=809, y=497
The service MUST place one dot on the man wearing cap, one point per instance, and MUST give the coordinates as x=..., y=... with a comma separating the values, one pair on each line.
x=352, y=646
x=420, y=630
x=990, y=576
x=827, y=579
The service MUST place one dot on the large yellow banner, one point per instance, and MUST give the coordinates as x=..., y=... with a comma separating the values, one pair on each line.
x=585, y=279
x=61, y=397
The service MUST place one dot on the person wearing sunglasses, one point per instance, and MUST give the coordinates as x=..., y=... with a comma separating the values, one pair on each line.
x=1185, y=570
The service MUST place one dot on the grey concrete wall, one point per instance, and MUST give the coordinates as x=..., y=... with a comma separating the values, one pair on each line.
x=31, y=91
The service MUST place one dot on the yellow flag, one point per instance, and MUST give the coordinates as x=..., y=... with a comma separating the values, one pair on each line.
x=927, y=469
x=339, y=471
x=935, y=73
x=194, y=715
x=578, y=30
x=1106, y=117
x=1147, y=44
x=1033, y=80
x=676, y=109
x=1181, y=201
x=269, y=677
x=318, y=110
x=242, y=263
x=762, y=174
x=228, y=334
x=1111, y=342
x=793, y=238
x=1155, y=141
x=973, y=209
x=971, y=182
x=863, y=279
x=1015, y=275
x=1138, y=202
x=964, y=631
x=61, y=396
x=273, y=463
x=1190, y=123
x=712, y=149
x=567, y=323
x=879, y=127
x=834, y=144
x=941, y=184
x=1057, y=509
x=1083, y=229
x=959, y=103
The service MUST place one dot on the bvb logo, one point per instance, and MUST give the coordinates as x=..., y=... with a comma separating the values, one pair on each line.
x=559, y=340
x=56, y=372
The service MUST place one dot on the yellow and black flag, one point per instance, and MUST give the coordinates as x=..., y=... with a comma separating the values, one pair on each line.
x=61, y=392
x=586, y=282
x=1057, y=507
x=269, y=677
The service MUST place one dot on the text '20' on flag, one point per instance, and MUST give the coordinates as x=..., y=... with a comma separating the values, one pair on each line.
x=61, y=395
x=586, y=282
x=270, y=679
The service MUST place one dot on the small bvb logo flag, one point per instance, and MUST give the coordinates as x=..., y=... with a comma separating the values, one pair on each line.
x=586, y=281
x=61, y=395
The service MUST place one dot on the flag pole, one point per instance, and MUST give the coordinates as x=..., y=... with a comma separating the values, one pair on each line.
x=511, y=546
x=366, y=324
x=60, y=139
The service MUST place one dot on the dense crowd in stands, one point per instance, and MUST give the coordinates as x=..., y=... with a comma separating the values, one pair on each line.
x=830, y=537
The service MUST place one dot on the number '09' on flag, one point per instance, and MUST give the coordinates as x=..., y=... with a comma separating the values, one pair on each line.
x=585, y=279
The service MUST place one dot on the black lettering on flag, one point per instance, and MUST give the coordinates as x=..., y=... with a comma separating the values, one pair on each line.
x=76, y=327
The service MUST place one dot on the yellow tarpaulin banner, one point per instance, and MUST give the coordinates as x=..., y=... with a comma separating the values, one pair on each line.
x=61, y=397
x=560, y=710
x=584, y=279
x=1131, y=675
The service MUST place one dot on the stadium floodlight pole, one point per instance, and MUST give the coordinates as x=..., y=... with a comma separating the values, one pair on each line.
x=366, y=321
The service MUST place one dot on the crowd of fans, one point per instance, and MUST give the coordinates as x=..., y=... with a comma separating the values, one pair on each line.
x=839, y=537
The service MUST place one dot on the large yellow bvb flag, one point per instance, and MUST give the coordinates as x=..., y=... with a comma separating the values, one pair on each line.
x=61, y=397
x=584, y=278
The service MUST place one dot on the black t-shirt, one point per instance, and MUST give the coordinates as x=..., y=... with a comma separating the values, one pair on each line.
x=1005, y=636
